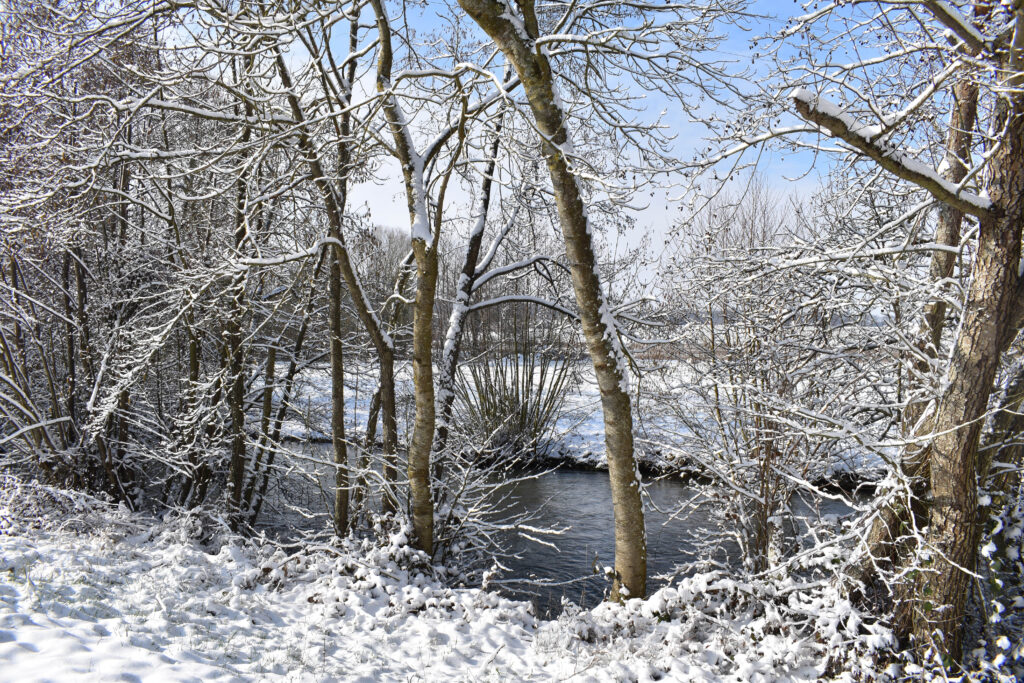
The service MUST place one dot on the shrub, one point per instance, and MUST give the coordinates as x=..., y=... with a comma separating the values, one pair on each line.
x=509, y=404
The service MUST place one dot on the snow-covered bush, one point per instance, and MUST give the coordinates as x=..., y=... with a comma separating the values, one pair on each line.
x=765, y=372
x=508, y=404
x=29, y=506
x=507, y=408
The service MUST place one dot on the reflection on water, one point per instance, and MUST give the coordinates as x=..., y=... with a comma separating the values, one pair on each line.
x=581, y=500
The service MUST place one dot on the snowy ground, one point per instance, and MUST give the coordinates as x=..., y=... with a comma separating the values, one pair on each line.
x=90, y=593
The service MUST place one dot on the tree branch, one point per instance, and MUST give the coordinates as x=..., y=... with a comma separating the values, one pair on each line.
x=522, y=299
x=864, y=139
x=950, y=18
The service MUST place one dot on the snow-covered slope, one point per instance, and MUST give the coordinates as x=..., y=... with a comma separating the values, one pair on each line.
x=93, y=593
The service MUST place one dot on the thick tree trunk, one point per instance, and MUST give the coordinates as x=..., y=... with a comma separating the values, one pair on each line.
x=69, y=330
x=941, y=592
x=947, y=232
x=941, y=589
x=389, y=414
x=598, y=325
x=340, y=451
x=894, y=518
x=425, y=250
x=420, y=497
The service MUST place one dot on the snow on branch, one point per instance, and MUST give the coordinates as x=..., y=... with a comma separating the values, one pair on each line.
x=865, y=139
x=248, y=262
x=37, y=425
x=951, y=18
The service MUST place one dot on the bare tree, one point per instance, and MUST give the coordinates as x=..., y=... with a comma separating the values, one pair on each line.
x=515, y=37
x=879, y=108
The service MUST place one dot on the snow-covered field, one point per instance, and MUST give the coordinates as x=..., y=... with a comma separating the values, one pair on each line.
x=91, y=593
x=578, y=433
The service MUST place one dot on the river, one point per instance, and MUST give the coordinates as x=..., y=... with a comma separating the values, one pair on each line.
x=578, y=503
x=581, y=501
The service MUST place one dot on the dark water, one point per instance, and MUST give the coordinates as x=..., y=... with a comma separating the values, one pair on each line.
x=581, y=501
x=680, y=530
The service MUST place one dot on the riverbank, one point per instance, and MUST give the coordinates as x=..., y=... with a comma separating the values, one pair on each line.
x=88, y=591
x=576, y=441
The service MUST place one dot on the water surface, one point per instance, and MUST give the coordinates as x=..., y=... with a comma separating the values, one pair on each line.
x=581, y=501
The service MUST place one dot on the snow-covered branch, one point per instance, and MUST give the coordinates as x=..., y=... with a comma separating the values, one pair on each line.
x=865, y=139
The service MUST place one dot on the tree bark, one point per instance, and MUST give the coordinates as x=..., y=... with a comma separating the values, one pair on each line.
x=69, y=330
x=420, y=497
x=952, y=539
x=339, y=449
x=424, y=248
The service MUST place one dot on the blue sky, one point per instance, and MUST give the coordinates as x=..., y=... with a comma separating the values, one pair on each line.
x=797, y=173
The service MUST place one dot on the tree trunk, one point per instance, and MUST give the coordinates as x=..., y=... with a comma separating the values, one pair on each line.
x=895, y=518
x=69, y=330
x=598, y=324
x=338, y=400
x=425, y=250
x=420, y=496
x=389, y=414
x=942, y=586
